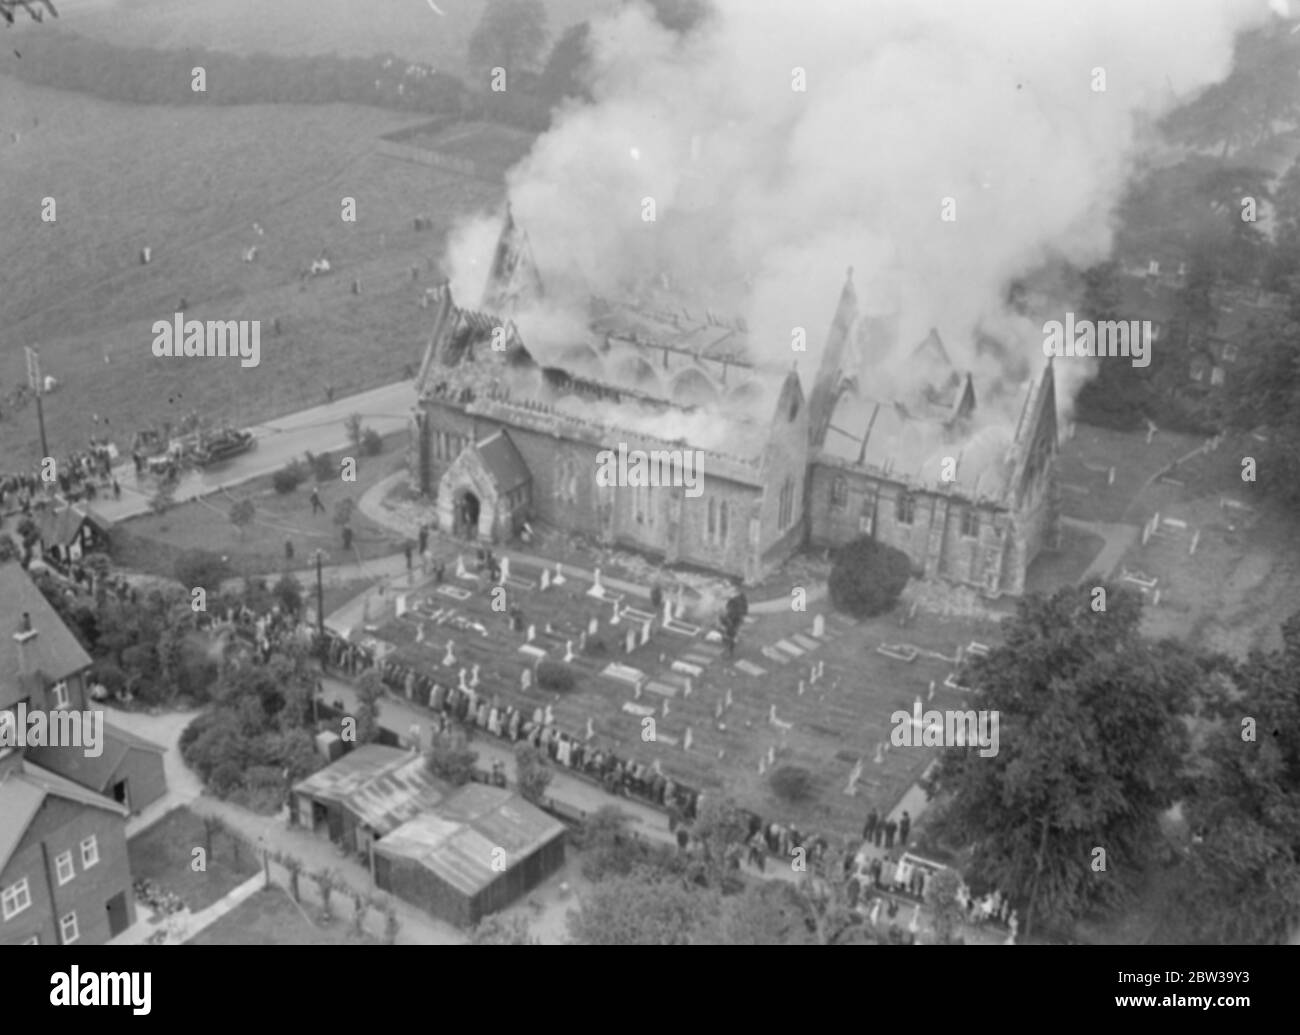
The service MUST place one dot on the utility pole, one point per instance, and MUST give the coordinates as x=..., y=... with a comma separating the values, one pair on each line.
x=320, y=603
x=37, y=384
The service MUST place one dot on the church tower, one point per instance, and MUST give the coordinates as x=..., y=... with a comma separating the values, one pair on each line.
x=822, y=399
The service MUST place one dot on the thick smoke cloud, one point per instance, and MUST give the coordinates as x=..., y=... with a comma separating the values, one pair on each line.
x=765, y=194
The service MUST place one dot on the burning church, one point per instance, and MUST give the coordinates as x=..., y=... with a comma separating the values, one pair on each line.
x=505, y=432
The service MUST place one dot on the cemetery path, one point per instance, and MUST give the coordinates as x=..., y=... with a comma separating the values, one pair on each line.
x=1119, y=538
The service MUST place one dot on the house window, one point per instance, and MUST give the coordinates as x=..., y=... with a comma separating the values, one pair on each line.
x=89, y=852
x=15, y=898
x=839, y=493
x=905, y=509
x=786, y=506
x=970, y=522
x=68, y=929
x=60, y=692
x=63, y=867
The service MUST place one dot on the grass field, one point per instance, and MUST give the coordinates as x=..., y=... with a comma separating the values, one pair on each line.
x=190, y=183
x=151, y=543
x=271, y=917
x=163, y=854
x=409, y=28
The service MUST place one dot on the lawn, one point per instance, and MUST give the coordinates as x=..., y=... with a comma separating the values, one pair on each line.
x=411, y=29
x=271, y=917
x=163, y=853
x=152, y=542
x=77, y=289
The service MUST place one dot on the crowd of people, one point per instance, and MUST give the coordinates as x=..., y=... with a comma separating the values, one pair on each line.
x=79, y=474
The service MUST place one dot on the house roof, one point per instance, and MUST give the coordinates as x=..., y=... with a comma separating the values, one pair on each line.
x=54, y=651
x=95, y=773
x=456, y=841
x=383, y=786
x=23, y=790
x=502, y=461
x=59, y=527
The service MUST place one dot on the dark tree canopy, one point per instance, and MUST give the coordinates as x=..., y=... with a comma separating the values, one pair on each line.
x=511, y=34
x=867, y=577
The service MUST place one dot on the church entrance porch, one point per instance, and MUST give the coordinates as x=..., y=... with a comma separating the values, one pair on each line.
x=466, y=515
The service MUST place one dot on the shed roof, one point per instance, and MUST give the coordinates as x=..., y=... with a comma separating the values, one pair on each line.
x=94, y=773
x=456, y=842
x=383, y=786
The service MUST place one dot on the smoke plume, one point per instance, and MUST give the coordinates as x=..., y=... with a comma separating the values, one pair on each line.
x=764, y=194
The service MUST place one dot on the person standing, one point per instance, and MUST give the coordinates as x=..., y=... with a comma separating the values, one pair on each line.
x=407, y=550
x=890, y=828
x=347, y=538
x=904, y=827
x=869, y=830
x=317, y=507
x=288, y=549
x=424, y=538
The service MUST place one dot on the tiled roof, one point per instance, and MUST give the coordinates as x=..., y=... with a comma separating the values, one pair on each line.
x=54, y=652
x=94, y=773
x=502, y=461
x=24, y=788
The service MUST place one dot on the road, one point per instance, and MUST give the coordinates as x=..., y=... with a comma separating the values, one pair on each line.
x=319, y=429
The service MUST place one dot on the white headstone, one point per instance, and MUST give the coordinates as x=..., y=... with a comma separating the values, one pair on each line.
x=819, y=625
x=681, y=601
x=729, y=700
x=591, y=729
x=668, y=610
x=597, y=590
x=686, y=741
x=463, y=684
x=548, y=716
x=419, y=633
x=593, y=627
x=549, y=630
x=473, y=676
x=717, y=710
x=771, y=755
x=582, y=641
x=762, y=766
x=615, y=619
x=801, y=687
x=546, y=579
x=631, y=639
x=525, y=679
x=559, y=579
x=645, y=634
x=686, y=690
x=401, y=604
x=665, y=715
x=449, y=658
x=880, y=758
x=460, y=567
x=821, y=669
x=532, y=633
x=812, y=675
x=568, y=650
x=505, y=569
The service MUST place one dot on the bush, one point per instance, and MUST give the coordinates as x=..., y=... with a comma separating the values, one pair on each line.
x=867, y=577
x=289, y=477
x=322, y=466
x=201, y=568
x=792, y=783
x=226, y=778
x=372, y=443
x=556, y=676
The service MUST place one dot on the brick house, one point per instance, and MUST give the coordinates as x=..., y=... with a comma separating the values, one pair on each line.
x=43, y=666
x=64, y=871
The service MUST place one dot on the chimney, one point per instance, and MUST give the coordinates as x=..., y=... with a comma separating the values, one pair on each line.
x=22, y=637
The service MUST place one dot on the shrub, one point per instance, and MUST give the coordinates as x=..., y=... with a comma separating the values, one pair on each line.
x=792, y=783
x=322, y=466
x=372, y=443
x=289, y=477
x=556, y=676
x=201, y=568
x=226, y=778
x=867, y=577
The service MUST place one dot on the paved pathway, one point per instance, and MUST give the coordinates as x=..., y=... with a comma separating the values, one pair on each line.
x=1119, y=538
x=319, y=429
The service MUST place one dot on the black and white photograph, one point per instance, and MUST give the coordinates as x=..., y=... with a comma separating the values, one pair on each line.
x=712, y=473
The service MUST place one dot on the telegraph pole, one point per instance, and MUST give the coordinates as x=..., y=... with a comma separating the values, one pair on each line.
x=37, y=385
x=320, y=603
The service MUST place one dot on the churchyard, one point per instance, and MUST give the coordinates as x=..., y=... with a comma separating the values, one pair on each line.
x=810, y=689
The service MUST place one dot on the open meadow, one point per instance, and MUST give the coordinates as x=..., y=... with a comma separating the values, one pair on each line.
x=190, y=183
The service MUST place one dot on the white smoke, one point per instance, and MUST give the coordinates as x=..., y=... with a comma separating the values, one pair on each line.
x=765, y=194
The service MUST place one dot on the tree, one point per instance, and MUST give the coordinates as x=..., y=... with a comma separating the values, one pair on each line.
x=495, y=929
x=372, y=443
x=680, y=16
x=791, y=783
x=1089, y=740
x=533, y=773
x=867, y=577
x=163, y=498
x=370, y=690
x=609, y=848
x=241, y=515
x=450, y=758
x=642, y=909
x=288, y=591
x=199, y=568
x=721, y=829
x=946, y=912
x=511, y=35
x=353, y=425
x=1266, y=394
x=343, y=511
x=1240, y=882
x=555, y=676
x=768, y=912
